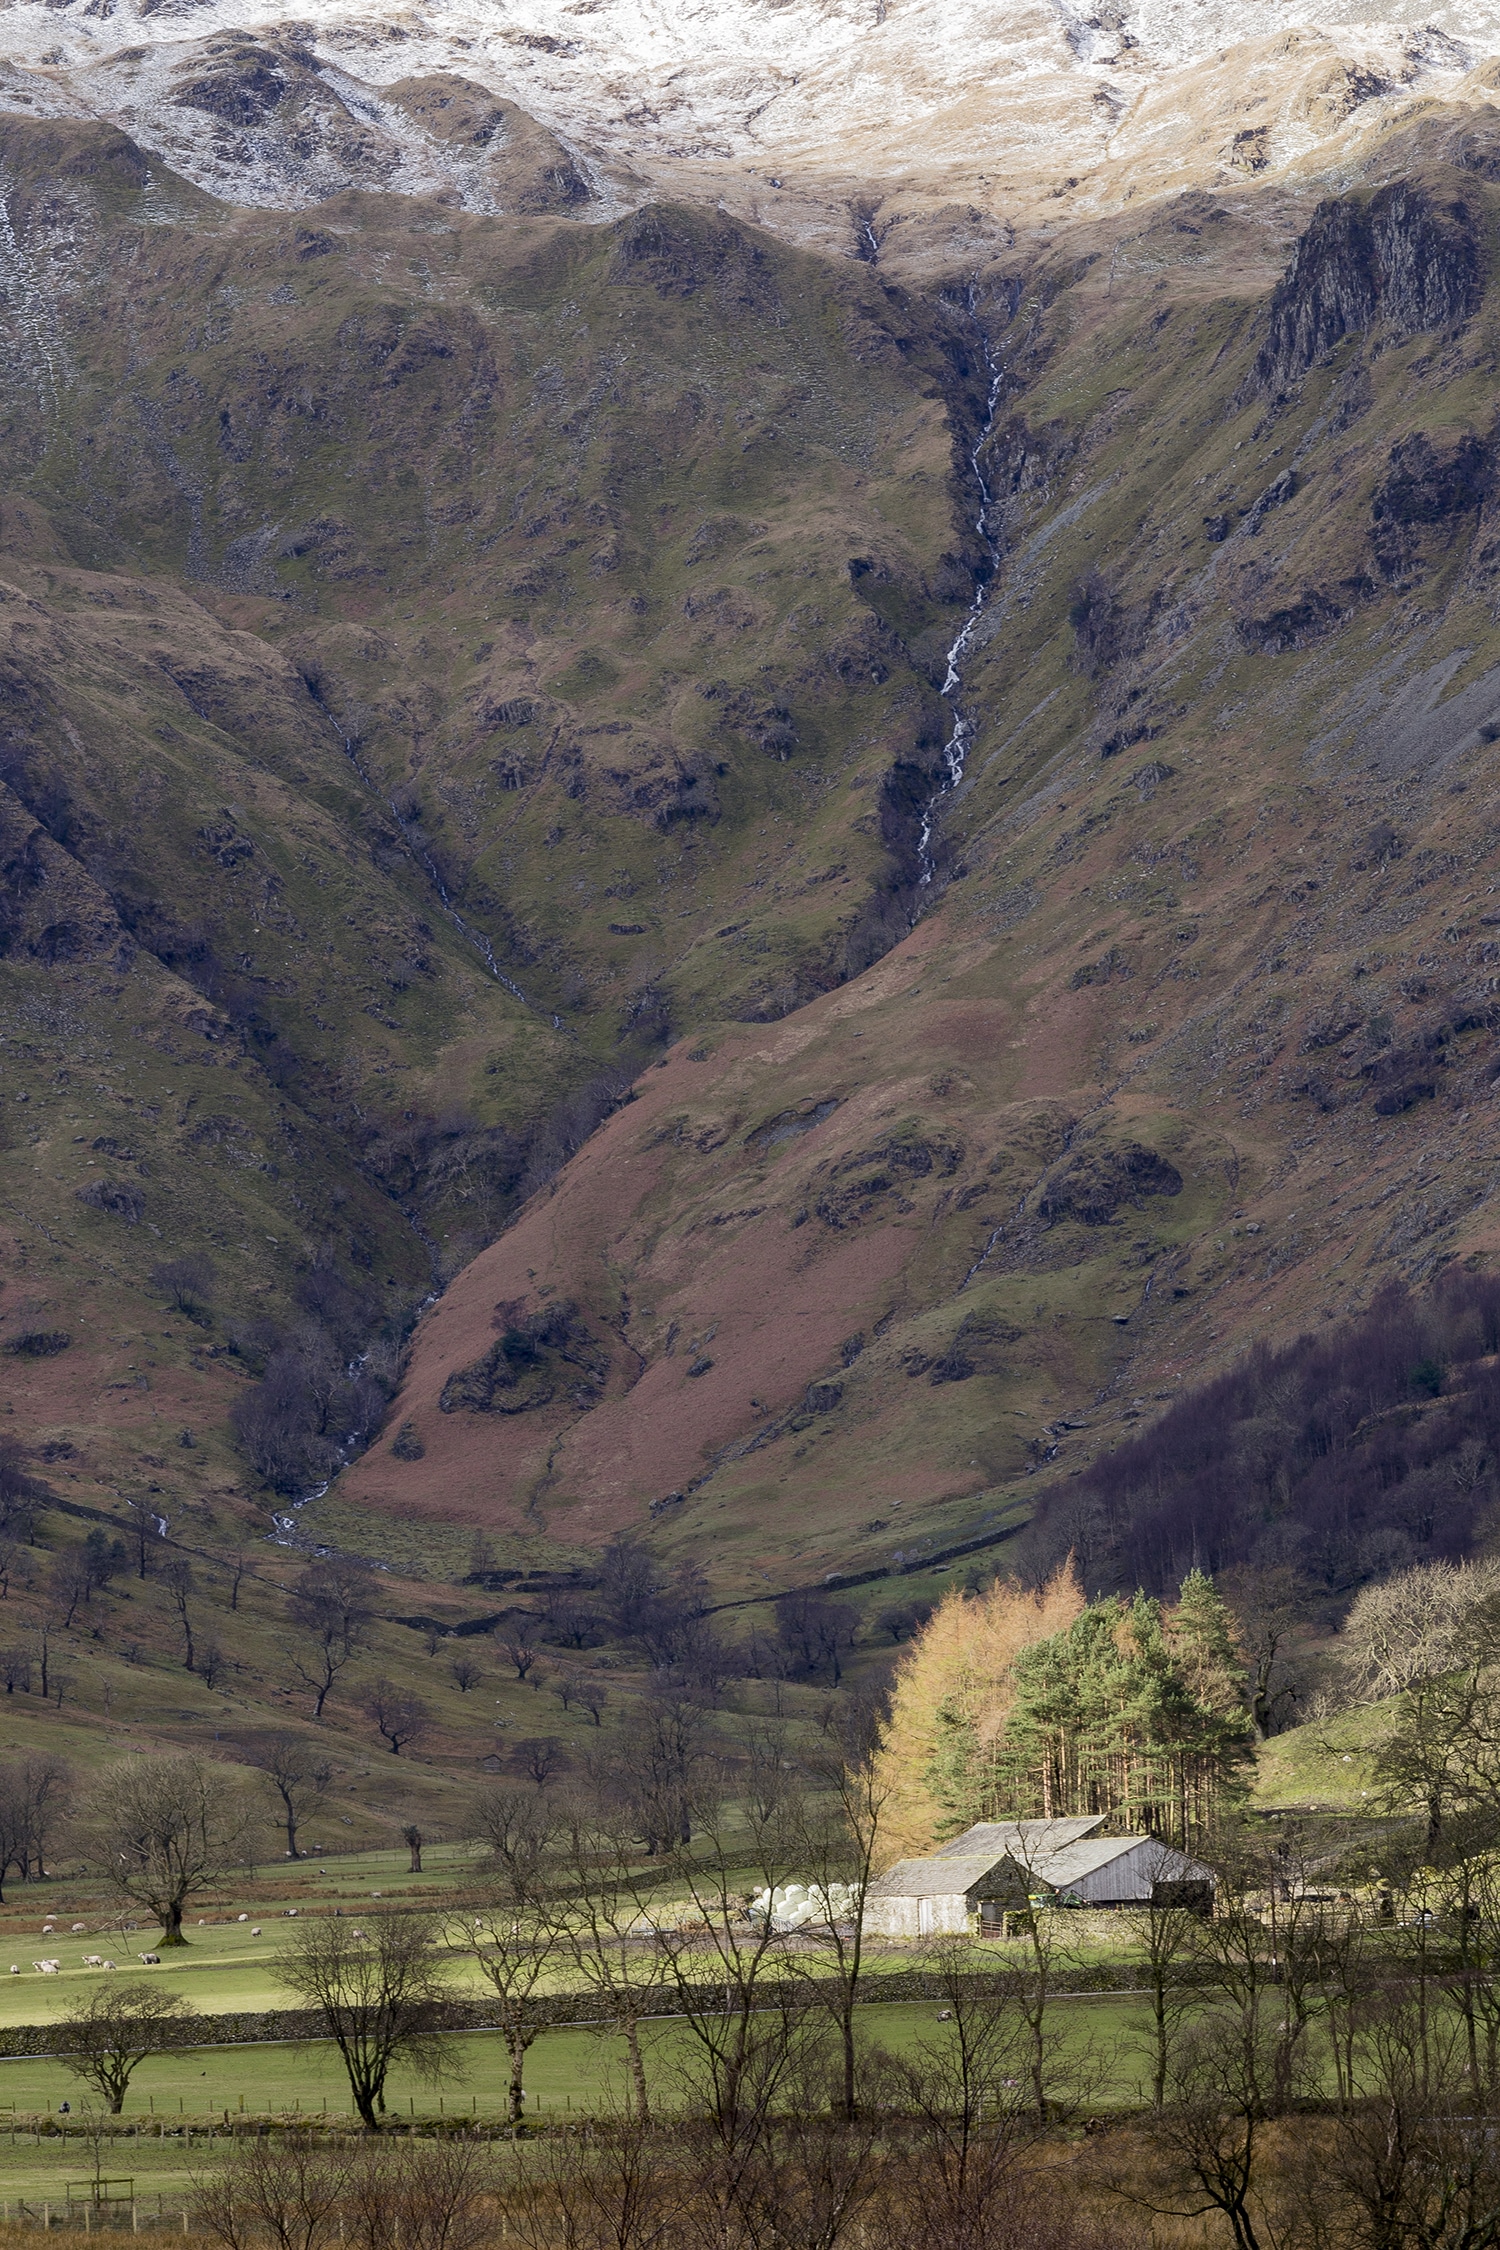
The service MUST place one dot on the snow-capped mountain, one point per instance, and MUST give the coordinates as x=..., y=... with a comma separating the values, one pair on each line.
x=901, y=112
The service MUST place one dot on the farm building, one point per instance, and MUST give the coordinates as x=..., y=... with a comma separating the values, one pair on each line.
x=997, y=1866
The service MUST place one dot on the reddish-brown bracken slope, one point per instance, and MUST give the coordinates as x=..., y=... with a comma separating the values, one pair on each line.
x=1195, y=1042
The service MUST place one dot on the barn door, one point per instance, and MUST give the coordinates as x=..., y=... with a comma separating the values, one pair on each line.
x=924, y=1917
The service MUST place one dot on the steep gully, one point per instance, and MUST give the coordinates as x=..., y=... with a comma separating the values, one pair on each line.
x=956, y=748
x=285, y=1530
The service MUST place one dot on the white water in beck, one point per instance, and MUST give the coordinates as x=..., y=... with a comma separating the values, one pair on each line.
x=956, y=748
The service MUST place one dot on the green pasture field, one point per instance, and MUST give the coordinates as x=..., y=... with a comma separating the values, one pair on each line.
x=225, y=1969
x=569, y=2072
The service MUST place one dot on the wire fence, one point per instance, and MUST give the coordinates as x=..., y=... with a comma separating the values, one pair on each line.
x=84, y=2215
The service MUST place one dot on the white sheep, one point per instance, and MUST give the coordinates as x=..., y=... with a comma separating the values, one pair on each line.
x=79, y=1928
x=93, y=1960
x=47, y=1968
x=242, y=1917
x=149, y=1960
x=256, y=1931
x=15, y=1968
x=106, y=1964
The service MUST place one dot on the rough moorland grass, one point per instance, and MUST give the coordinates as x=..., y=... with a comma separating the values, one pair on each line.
x=1327, y=1764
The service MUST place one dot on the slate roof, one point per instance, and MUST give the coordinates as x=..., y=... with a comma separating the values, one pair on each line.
x=1058, y=1869
x=1023, y=1837
x=947, y=1873
x=936, y=1878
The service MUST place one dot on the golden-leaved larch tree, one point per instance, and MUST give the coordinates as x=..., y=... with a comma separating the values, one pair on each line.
x=958, y=1669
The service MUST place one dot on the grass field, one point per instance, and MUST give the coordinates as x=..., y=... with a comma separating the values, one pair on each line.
x=230, y=1966
x=569, y=2072
x=227, y=1968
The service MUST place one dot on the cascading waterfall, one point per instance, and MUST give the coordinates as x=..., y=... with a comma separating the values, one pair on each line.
x=956, y=748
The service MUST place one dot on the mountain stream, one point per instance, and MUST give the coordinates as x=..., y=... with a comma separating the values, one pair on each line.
x=956, y=748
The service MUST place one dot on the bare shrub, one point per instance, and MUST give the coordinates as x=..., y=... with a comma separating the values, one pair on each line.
x=288, y=2193
x=421, y=2195
x=187, y=1282
x=622, y=2189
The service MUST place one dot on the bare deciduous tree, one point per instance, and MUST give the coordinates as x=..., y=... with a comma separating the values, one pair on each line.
x=34, y=1797
x=1163, y=1930
x=332, y=1602
x=1412, y=1627
x=513, y=1938
x=839, y=1835
x=519, y=1833
x=541, y=1758
x=236, y=1562
x=603, y=1935
x=69, y=1584
x=519, y=1644
x=165, y=1830
x=145, y=1525
x=177, y=1577
x=298, y=1775
x=380, y=1998
x=105, y=2036
x=396, y=1714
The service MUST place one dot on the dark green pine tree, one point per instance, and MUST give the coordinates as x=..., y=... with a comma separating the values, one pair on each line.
x=1135, y=1710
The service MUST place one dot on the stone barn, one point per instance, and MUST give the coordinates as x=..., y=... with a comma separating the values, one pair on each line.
x=999, y=1866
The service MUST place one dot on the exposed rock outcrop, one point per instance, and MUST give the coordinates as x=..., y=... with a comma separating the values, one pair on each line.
x=1407, y=257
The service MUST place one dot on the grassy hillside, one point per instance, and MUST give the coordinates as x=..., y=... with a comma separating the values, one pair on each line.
x=1325, y=1766
x=463, y=671
x=410, y=664
x=1195, y=1047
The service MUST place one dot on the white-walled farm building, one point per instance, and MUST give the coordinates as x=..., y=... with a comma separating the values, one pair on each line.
x=997, y=1866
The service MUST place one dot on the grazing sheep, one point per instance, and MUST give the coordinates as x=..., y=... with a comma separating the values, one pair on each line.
x=106, y=1964
x=256, y=1931
x=47, y=1968
x=15, y=1968
x=356, y=1933
x=242, y=1917
x=149, y=1960
x=79, y=1928
x=93, y=1960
